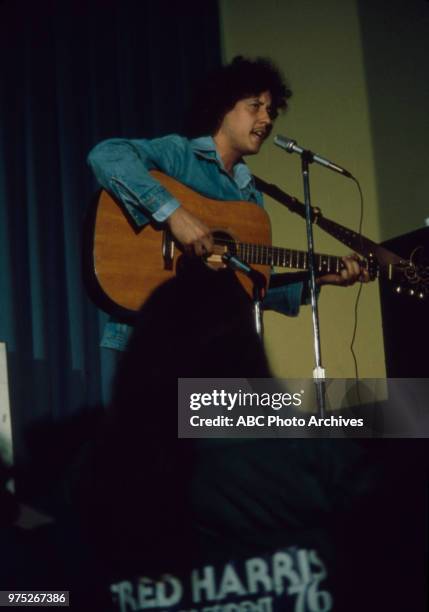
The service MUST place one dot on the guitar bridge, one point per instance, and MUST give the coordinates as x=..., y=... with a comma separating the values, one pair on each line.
x=167, y=249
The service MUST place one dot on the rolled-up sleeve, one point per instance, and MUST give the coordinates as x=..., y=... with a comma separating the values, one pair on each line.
x=285, y=299
x=122, y=167
x=289, y=297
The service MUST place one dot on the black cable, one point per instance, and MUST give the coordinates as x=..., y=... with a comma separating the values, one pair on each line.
x=359, y=292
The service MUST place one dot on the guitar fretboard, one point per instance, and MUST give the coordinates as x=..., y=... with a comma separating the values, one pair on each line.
x=281, y=257
x=290, y=258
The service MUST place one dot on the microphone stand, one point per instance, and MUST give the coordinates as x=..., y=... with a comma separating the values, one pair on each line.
x=238, y=265
x=319, y=375
x=257, y=311
x=307, y=157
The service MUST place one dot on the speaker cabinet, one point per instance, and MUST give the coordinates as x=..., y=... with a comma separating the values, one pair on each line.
x=405, y=317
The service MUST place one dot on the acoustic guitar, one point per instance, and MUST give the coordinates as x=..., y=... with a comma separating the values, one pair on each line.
x=127, y=263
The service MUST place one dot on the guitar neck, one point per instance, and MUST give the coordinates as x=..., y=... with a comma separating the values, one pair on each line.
x=323, y=264
x=287, y=258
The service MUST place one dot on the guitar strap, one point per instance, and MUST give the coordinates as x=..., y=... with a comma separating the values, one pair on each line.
x=357, y=242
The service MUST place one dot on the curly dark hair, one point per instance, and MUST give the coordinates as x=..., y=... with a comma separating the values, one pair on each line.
x=219, y=93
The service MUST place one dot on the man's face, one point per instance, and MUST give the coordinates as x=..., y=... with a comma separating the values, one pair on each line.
x=245, y=127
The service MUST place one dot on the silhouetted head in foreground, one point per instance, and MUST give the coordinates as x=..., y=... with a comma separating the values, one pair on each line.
x=197, y=325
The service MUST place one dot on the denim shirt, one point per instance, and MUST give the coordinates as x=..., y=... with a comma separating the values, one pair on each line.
x=122, y=167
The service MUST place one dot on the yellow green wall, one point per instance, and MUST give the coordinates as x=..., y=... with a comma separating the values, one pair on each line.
x=318, y=47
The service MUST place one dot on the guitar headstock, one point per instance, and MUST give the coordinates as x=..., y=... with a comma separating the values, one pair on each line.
x=372, y=266
x=413, y=275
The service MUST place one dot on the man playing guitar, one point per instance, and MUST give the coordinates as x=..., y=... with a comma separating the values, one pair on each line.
x=232, y=117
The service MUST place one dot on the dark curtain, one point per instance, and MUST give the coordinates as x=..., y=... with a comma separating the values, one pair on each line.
x=72, y=74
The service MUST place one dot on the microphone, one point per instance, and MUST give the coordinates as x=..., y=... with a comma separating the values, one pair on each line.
x=291, y=146
x=237, y=264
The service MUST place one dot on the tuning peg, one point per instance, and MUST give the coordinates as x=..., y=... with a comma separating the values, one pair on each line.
x=421, y=295
x=398, y=289
x=411, y=292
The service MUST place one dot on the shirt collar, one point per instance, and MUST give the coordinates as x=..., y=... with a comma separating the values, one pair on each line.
x=206, y=147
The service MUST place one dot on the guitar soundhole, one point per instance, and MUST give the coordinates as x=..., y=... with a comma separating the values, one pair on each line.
x=224, y=242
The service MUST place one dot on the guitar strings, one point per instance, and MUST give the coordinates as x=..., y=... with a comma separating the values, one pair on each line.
x=281, y=256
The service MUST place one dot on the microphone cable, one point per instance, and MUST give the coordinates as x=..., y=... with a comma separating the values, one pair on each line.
x=360, y=285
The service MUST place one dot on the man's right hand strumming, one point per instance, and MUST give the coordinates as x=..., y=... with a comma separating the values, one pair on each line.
x=192, y=233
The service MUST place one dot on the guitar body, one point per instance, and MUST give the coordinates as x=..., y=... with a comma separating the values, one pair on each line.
x=129, y=263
